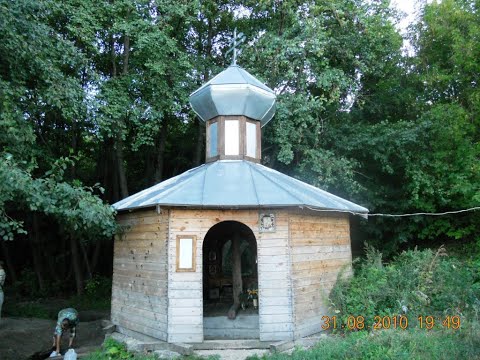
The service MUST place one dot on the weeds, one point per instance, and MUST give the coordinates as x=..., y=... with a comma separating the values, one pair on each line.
x=417, y=283
x=114, y=350
x=414, y=283
x=390, y=344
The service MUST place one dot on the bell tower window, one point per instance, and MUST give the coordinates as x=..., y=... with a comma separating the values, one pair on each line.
x=233, y=137
x=212, y=139
x=251, y=140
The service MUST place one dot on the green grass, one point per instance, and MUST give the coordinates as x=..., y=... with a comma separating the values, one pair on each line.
x=383, y=344
x=47, y=308
x=90, y=302
x=392, y=344
x=26, y=309
x=46, y=304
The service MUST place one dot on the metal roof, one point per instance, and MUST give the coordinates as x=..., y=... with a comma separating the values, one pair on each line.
x=234, y=92
x=235, y=184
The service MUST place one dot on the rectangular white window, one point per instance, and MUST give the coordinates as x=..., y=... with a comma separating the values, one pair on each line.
x=251, y=139
x=186, y=252
x=232, y=137
x=212, y=137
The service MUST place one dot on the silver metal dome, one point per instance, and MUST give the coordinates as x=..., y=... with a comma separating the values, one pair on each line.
x=234, y=92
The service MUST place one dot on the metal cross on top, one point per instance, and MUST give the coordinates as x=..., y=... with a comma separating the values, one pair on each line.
x=235, y=43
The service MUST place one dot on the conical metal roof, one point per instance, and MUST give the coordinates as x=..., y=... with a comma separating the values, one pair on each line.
x=234, y=92
x=235, y=184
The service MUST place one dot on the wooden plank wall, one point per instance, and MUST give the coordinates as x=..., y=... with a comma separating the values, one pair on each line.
x=139, y=290
x=185, y=298
x=320, y=249
x=275, y=290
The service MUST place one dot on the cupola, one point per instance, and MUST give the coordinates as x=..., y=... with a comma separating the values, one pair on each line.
x=234, y=105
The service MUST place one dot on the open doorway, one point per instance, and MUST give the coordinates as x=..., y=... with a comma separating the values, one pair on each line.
x=230, y=282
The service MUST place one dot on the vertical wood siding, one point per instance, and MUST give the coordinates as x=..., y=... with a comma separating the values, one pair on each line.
x=320, y=249
x=139, y=289
x=297, y=267
x=185, y=297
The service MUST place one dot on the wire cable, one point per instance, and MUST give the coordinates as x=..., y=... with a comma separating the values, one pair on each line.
x=399, y=215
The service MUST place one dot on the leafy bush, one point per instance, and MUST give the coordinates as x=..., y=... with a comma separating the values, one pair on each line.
x=98, y=292
x=415, y=282
x=113, y=350
x=98, y=286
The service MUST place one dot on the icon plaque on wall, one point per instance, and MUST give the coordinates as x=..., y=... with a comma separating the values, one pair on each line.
x=267, y=222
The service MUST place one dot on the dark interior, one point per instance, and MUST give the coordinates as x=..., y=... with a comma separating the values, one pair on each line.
x=217, y=267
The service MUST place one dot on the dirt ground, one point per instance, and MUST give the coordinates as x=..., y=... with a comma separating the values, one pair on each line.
x=21, y=337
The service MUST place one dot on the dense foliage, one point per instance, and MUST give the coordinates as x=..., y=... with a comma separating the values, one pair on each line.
x=416, y=283
x=370, y=305
x=94, y=106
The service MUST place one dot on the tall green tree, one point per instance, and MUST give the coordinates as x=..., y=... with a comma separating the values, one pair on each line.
x=316, y=55
x=96, y=92
x=413, y=133
x=42, y=107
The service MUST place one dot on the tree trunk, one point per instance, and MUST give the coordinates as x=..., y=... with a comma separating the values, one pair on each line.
x=96, y=255
x=200, y=140
x=73, y=170
x=115, y=149
x=150, y=165
x=236, y=277
x=122, y=176
x=113, y=72
x=65, y=251
x=37, y=258
x=110, y=177
x=86, y=260
x=12, y=274
x=53, y=269
x=115, y=184
x=76, y=265
x=161, y=152
x=232, y=312
x=236, y=270
x=37, y=265
x=126, y=53
x=200, y=126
